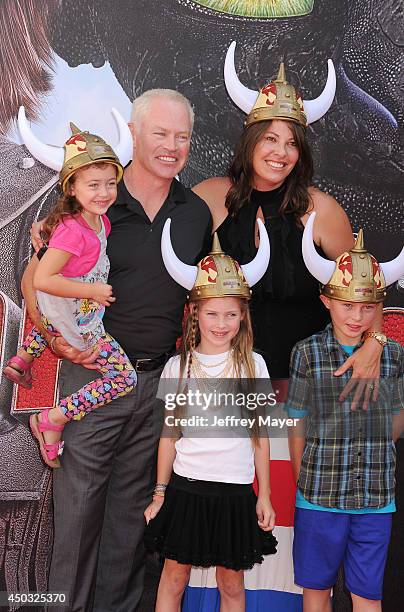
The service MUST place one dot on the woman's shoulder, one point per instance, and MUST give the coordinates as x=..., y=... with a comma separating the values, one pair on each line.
x=213, y=191
x=214, y=187
x=323, y=203
x=332, y=229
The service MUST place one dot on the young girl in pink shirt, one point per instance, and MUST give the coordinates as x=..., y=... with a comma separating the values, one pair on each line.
x=72, y=291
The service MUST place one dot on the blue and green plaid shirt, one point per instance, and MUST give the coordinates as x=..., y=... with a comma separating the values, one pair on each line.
x=349, y=458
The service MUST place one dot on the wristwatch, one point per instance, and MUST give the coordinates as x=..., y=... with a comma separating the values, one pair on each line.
x=381, y=338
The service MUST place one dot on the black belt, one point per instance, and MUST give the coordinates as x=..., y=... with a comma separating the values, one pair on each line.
x=147, y=365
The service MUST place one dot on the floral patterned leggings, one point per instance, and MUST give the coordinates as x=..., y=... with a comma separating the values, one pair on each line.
x=119, y=377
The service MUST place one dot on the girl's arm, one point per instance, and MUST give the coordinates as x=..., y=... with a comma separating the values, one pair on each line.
x=47, y=278
x=265, y=511
x=297, y=442
x=166, y=456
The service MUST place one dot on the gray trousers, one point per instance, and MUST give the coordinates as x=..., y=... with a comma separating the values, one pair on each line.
x=100, y=494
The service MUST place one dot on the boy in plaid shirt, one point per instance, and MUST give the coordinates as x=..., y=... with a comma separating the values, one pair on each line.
x=344, y=458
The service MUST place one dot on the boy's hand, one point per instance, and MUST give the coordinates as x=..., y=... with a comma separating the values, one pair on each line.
x=102, y=293
x=265, y=514
x=153, y=509
x=365, y=364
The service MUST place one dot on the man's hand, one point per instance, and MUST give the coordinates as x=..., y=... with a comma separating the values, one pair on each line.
x=35, y=233
x=265, y=513
x=102, y=293
x=86, y=358
x=365, y=364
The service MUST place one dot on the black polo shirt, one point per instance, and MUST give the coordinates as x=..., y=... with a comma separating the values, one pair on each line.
x=146, y=317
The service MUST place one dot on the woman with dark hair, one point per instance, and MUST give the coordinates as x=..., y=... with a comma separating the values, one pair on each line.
x=271, y=178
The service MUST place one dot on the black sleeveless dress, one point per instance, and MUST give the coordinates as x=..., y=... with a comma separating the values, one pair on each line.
x=285, y=304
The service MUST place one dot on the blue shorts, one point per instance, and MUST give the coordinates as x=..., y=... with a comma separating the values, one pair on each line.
x=324, y=540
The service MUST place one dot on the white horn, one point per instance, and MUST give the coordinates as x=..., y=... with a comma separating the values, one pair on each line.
x=256, y=269
x=243, y=97
x=393, y=270
x=182, y=273
x=317, y=108
x=322, y=269
x=46, y=154
x=124, y=148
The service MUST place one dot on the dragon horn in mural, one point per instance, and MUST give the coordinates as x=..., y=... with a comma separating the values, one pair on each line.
x=53, y=156
x=218, y=274
x=278, y=99
x=355, y=276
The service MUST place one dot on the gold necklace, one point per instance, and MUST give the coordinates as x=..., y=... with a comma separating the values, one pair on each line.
x=198, y=367
x=212, y=365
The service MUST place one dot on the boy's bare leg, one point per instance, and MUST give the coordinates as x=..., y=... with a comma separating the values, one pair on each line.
x=360, y=604
x=316, y=600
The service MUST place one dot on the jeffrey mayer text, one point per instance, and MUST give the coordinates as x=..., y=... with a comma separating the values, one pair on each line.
x=229, y=421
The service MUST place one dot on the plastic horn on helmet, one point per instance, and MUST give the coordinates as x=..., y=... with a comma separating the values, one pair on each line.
x=124, y=148
x=256, y=269
x=53, y=156
x=245, y=98
x=182, y=273
x=322, y=269
x=48, y=155
x=394, y=269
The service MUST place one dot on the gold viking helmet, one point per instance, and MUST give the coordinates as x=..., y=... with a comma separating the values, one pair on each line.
x=83, y=149
x=217, y=274
x=355, y=276
x=91, y=148
x=278, y=100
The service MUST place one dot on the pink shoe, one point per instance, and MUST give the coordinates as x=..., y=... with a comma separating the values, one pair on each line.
x=49, y=452
x=21, y=374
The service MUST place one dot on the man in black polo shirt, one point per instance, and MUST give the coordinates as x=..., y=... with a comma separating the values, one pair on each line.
x=107, y=471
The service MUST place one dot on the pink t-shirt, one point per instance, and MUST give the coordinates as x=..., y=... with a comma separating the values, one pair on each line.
x=75, y=236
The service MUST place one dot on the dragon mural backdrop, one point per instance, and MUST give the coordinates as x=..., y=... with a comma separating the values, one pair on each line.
x=67, y=60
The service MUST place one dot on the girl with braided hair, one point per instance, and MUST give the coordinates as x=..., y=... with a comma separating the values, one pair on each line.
x=204, y=510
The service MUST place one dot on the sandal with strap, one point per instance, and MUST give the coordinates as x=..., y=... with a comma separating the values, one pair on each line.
x=21, y=374
x=49, y=452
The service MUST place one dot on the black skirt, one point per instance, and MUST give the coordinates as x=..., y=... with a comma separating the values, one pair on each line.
x=209, y=523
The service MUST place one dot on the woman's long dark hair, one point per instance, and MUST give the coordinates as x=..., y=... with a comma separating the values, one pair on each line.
x=296, y=199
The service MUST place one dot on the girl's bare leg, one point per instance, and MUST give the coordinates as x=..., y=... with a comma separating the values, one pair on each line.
x=174, y=579
x=231, y=586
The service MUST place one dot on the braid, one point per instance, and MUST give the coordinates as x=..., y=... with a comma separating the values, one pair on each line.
x=192, y=342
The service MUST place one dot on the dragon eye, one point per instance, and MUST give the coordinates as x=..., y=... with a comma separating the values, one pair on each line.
x=260, y=9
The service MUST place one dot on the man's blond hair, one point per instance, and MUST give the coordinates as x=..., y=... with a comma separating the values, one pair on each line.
x=141, y=104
